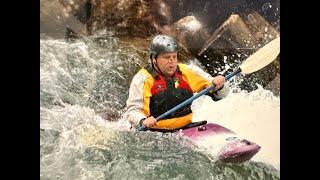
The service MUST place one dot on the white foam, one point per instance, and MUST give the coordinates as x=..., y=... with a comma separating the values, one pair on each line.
x=254, y=116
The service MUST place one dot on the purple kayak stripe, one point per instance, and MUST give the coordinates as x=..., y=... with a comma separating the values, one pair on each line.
x=211, y=129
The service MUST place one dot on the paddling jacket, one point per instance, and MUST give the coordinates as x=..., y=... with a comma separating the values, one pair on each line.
x=152, y=94
x=168, y=92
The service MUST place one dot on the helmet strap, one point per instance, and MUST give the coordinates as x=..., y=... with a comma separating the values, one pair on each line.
x=156, y=67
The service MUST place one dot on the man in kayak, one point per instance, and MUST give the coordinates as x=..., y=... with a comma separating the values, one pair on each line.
x=164, y=84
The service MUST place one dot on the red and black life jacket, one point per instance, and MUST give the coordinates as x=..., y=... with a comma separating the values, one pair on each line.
x=168, y=92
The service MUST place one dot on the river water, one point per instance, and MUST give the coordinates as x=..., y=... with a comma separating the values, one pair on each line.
x=84, y=85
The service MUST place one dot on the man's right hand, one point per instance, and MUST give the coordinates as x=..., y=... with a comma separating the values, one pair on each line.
x=149, y=122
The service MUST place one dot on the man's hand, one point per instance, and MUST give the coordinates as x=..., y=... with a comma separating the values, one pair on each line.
x=149, y=122
x=218, y=81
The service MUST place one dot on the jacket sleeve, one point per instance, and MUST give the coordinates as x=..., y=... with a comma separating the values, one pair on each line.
x=217, y=95
x=134, y=105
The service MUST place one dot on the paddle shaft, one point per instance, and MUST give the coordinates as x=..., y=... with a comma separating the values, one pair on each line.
x=191, y=99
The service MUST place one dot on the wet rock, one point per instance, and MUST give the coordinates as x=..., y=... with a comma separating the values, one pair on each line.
x=262, y=31
x=189, y=34
x=138, y=18
x=126, y=17
x=78, y=8
x=237, y=38
x=250, y=32
x=58, y=18
x=274, y=85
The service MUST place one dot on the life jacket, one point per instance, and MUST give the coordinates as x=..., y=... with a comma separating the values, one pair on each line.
x=168, y=92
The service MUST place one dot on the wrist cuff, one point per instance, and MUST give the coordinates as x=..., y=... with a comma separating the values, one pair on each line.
x=141, y=120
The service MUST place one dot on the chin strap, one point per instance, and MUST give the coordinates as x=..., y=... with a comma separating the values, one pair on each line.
x=156, y=67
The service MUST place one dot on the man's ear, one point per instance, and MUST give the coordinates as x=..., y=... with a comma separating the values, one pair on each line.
x=154, y=60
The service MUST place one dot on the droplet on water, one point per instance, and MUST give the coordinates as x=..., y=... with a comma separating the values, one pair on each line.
x=266, y=6
x=251, y=18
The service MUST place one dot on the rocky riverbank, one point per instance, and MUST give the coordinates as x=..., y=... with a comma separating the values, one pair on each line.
x=217, y=33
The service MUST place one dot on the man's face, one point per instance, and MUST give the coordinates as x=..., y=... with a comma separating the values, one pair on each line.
x=167, y=62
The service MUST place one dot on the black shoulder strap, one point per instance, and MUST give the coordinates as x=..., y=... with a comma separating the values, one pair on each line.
x=178, y=70
x=152, y=71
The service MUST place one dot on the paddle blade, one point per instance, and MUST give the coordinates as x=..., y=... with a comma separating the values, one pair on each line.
x=262, y=57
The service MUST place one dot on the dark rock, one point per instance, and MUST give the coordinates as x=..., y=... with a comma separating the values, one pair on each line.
x=57, y=16
x=127, y=18
x=274, y=85
x=237, y=38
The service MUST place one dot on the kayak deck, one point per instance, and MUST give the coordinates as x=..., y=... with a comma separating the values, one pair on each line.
x=231, y=148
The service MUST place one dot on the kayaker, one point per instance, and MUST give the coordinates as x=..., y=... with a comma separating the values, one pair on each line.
x=165, y=83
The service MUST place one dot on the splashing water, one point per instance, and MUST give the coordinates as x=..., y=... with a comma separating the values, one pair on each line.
x=94, y=73
x=254, y=116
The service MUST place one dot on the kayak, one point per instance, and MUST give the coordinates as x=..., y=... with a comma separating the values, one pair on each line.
x=222, y=142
